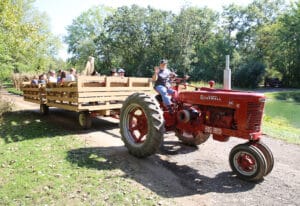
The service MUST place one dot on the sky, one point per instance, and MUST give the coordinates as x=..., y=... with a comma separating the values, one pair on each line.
x=62, y=12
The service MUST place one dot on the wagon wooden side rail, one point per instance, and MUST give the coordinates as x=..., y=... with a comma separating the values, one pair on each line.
x=89, y=95
x=34, y=93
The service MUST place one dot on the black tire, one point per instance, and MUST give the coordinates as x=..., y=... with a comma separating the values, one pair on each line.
x=44, y=109
x=85, y=120
x=141, y=125
x=248, y=162
x=192, y=139
x=267, y=154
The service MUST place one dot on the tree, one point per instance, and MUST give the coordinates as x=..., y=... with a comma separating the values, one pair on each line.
x=289, y=47
x=82, y=34
x=193, y=29
x=246, y=27
x=135, y=38
x=26, y=44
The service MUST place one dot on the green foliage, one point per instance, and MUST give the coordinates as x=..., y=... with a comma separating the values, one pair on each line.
x=195, y=41
x=135, y=38
x=249, y=75
x=14, y=91
x=26, y=43
x=82, y=34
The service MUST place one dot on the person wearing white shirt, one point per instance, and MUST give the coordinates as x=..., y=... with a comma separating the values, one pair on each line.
x=52, y=78
x=71, y=76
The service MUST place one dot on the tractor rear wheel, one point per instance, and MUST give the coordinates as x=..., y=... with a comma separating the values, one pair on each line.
x=141, y=125
x=85, y=120
x=191, y=139
x=248, y=162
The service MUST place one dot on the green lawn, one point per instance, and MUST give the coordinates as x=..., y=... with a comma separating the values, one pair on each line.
x=282, y=116
x=41, y=164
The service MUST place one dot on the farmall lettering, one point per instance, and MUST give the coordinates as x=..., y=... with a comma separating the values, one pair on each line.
x=210, y=98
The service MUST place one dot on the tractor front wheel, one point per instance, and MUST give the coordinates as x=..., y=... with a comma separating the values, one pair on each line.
x=248, y=162
x=267, y=154
x=141, y=125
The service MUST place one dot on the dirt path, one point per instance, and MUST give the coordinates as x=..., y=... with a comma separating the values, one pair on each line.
x=188, y=175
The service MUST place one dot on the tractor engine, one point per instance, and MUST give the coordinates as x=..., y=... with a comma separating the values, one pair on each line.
x=222, y=113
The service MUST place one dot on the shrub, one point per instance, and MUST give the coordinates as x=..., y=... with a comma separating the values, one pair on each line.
x=249, y=75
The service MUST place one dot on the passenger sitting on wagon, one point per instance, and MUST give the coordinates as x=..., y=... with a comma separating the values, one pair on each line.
x=42, y=79
x=35, y=80
x=71, y=76
x=113, y=72
x=52, y=77
x=161, y=77
x=121, y=72
x=62, y=77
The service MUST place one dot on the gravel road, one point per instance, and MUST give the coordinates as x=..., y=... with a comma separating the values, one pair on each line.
x=188, y=175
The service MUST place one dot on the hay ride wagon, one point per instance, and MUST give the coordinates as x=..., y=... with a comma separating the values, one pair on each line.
x=90, y=96
x=196, y=116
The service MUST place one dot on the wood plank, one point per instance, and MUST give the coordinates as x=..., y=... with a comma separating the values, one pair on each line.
x=63, y=106
x=118, y=79
x=99, y=107
x=141, y=80
x=62, y=89
x=83, y=78
x=102, y=99
x=110, y=89
x=67, y=99
x=32, y=95
x=106, y=94
x=31, y=89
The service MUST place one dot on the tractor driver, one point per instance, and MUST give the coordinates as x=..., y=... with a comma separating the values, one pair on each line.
x=162, y=85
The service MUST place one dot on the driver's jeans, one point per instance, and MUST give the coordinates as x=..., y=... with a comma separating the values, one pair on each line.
x=165, y=92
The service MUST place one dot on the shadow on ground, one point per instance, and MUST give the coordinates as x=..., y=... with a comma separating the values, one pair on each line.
x=30, y=124
x=26, y=125
x=163, y=177
x=156, y=172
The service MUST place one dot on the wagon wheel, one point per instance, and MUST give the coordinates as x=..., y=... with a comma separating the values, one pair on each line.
x=191, y=139
x=248, y=162
x=44, y=109
x=141, y=125
x=85, y=120
x=267, y=154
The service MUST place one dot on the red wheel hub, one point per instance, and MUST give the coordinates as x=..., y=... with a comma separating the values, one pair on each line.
x=246, y=162
x=138, y=125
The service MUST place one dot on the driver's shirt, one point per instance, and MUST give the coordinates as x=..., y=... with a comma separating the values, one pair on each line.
x=163, y=78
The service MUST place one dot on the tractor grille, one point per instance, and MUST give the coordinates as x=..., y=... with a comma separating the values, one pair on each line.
x=254, y=116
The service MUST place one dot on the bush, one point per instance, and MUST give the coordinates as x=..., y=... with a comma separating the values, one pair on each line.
x=250, y=74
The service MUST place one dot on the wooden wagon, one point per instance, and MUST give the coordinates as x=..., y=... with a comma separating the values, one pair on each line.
x=90, y=96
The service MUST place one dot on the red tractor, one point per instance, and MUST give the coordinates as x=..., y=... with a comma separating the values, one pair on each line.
x=196, y=116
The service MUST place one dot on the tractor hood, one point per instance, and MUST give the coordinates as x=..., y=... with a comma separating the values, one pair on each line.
x=219, y=97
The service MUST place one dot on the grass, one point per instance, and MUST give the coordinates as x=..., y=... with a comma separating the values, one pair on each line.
x=282, y=116
x=14, y=91
x=41, y=164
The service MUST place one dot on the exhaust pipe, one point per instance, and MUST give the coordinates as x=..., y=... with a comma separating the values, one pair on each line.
x=227, y=75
